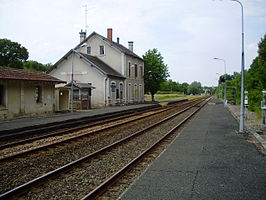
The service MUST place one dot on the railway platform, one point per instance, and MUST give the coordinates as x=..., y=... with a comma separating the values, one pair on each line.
x=57, y=118
x=209, y=160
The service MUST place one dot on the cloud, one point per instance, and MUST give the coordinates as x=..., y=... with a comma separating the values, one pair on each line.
x=187, y=33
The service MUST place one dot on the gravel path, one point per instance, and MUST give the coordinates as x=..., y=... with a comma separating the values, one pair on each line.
x=252, y=121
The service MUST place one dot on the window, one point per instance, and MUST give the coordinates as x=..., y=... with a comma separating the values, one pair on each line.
x=136, y=71
x=113, y=91
x=121, y=90
x=76, y=94
x=140, y=92
x=89, y=50
x=113, y=86
x=135, y=92
x=129, y=66
x=38, y=94
x=102, y=50
x=129, y=92
x=141, y=71
x=2, y=95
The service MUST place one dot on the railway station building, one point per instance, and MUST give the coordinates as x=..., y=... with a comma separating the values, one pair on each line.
x=110, y=73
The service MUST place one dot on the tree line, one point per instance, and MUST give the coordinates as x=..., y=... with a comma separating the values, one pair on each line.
x=255, y=80
x=14, y=55
x=156, y=74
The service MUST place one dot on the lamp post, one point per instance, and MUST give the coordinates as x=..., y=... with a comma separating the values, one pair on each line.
x=220, y=91
x=72, y=79
x=241, y=124
x=225, y=102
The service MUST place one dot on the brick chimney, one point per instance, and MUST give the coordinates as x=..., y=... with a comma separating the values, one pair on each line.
x=110, y=34
x=130, y=45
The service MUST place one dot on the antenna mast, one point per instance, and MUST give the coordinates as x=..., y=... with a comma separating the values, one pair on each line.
x=86, y=13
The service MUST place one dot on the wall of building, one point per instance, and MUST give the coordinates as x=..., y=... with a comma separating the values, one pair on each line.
x=112, y=56
x=21, y=99
x=83, y=73
x=116, y=95
x=134, y=82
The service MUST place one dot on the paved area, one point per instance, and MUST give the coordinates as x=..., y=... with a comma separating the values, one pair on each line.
x=252, y=124
x=26, y=122
x=209, y=161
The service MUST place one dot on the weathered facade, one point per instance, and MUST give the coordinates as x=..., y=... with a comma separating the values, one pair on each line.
x=115, y=72
x=27, y=93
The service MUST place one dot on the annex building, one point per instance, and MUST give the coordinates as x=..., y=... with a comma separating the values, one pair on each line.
x=26, y=93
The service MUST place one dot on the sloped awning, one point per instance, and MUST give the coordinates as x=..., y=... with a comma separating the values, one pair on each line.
x=81, y=85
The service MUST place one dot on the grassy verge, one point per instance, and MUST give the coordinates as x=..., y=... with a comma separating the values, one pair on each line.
x=164, y=98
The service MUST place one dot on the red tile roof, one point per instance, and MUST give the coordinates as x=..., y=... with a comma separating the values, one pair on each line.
x=25, y=75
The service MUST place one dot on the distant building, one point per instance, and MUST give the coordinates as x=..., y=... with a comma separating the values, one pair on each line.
x=26, y=93
x=114, y=73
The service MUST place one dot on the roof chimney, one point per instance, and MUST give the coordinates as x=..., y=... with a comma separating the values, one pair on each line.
x=130, y=45
x=82, y=35
x=110, y=34
x=117, y=40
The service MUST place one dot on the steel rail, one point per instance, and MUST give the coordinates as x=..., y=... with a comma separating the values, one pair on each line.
x=20, y=132
x=111, y=180
x=33, y=150
x=62, y=132
x=52, y=174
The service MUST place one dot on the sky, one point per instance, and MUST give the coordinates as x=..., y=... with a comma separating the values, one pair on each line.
x=187, y=33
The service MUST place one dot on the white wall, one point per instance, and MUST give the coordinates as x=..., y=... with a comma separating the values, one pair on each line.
x=20, y=99
x=83, y=73
x=112, y=56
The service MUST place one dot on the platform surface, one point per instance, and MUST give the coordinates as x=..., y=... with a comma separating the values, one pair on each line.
x=209, y=160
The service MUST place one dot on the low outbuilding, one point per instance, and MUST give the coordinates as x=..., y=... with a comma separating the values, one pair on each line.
x=26, y=93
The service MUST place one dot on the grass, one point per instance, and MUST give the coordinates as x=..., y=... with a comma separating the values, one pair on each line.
x=164, y=98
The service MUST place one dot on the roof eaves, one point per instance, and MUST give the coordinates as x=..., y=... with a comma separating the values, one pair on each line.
x=111, y=75
x=90, y=62
x=82, y=42
x=59, y=61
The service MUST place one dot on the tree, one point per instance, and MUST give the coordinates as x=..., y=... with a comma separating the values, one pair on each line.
x=170, y=86
x=155, y=71
x=35, y=66
x=184, y=87
x=195, y=88
x=12, y=54
x=256, y=77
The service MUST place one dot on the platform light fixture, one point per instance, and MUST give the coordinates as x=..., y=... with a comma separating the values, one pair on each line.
x=242, y=110
x=225, y=102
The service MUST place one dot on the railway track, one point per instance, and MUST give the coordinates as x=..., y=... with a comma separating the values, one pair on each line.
x=110, y=155
x=73, y=124
x=18, y=148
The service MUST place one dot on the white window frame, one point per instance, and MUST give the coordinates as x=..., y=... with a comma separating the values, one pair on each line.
x=121, y=90
x=100, y=52
x=89, y=50
x=129, y=69
x=136, y=70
